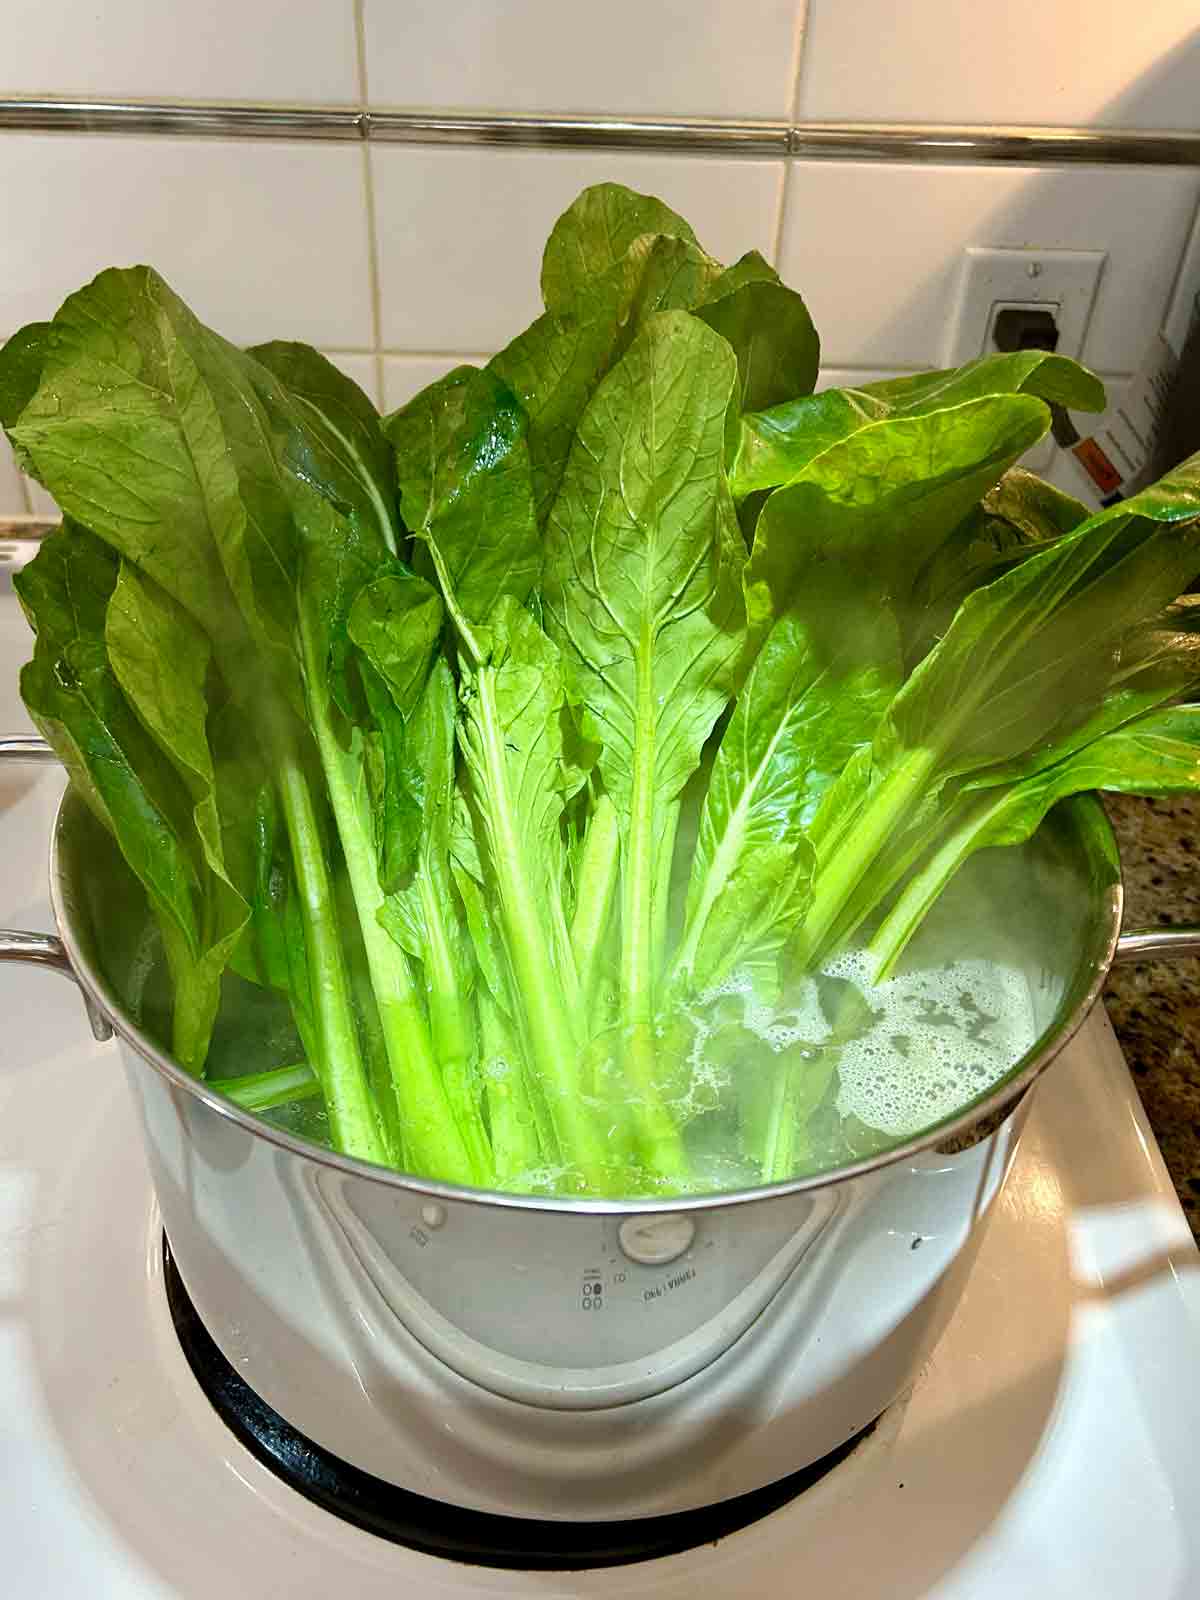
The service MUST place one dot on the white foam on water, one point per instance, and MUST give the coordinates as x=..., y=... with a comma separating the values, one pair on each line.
x=942, y=1036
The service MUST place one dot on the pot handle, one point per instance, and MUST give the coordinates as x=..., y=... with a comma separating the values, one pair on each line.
x=1157, y=944
x=26, y=747
x=44, y=949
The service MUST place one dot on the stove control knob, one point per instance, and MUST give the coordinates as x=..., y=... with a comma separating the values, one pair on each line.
x=653, y=1241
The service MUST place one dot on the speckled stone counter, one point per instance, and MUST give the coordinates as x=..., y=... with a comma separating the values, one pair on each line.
x=1155, y=1006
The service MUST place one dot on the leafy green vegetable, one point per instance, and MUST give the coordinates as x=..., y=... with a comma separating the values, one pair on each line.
x=642, y=591
x=593, y=235
x=776, y=444
x=519, y=760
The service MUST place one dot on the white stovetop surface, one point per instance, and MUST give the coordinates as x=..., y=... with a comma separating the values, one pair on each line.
x=1048, y=1449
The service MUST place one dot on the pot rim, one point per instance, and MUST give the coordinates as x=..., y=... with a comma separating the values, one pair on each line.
x=1003, y=1095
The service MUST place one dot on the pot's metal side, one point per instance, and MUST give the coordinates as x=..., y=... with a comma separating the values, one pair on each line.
x=601, y=1359
x=582, y=1382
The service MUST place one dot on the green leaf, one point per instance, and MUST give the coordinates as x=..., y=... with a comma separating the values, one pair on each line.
x=514, y=738
x=103, y=433
x=396, y=621
x=815, y=695
x=642, y=590
x=1031, y=642
x=161, y=659
x=1037, y=511
x=1037, y=372
x=152, y=789
x=70, y=689
x=466, y=489
x=554, y=367
x=642, y=562
x=878, y=503
x=347, y=453
x=768, y=327
x=1026, y=660
x=1155, y=754
x=478, y=907
x=21, y=362
x=594, y=233
x=1015, y=519
x=777, y=445
x=394, y=783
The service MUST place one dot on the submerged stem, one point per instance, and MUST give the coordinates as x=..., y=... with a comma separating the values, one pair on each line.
x=280, y=1086
x=353, y=1122
x=843, y=868
x=596, y=887
x=553, y=1042
x=923, y=888
x=658, y=1136
x=431, y=1135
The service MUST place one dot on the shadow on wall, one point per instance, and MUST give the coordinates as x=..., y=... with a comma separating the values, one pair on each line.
x=1175, y=79
x=1124, y=210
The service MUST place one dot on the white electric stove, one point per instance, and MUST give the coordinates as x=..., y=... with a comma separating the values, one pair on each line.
x=1051, y=1446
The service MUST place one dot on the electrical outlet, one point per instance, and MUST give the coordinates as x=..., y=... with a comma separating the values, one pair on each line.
x=993, y=280
x=996, y=281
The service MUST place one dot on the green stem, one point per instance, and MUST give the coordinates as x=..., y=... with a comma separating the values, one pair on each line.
x=260, y=1091
x=515, y=1144
x=353, y=1123
x=450, y=1022
x=594, y=892
x=370, y=1030
x=660, y=896
x=553, y=1043
x=778, y=1159
x=840, y=873
x=923, y=888
x=431, y=1136
x=658, y=1137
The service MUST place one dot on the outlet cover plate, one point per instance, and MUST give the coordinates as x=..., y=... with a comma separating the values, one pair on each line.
x=992, y=278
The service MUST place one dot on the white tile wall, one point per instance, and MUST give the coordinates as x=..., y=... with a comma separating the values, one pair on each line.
x=406, y=376
x=704, y=58
x=271, y=239
x=39, y=501
x=852, y=377
x=461, y=231
x=206, y=50
x=1107, y=63
x=264, y=240
x=876, y=249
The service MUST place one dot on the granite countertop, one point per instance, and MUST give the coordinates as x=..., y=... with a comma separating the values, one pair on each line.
x=1154, y=1006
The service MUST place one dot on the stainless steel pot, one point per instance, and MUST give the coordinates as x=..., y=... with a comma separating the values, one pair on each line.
x=584, y=1358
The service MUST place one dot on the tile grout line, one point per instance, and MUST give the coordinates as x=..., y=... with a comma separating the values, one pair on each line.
x=798, y=53
x=799, y=36
x=371, y=215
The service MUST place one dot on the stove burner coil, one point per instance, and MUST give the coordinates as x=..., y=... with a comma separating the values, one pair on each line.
x=481, y=1538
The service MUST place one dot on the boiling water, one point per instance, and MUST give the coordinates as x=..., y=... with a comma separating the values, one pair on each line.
x=917, y=1048
x=942, y=1037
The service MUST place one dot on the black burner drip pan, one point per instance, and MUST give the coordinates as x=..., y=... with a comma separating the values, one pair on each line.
x=481, y=1538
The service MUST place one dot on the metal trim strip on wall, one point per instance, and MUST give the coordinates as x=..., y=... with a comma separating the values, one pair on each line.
x=813, y=141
